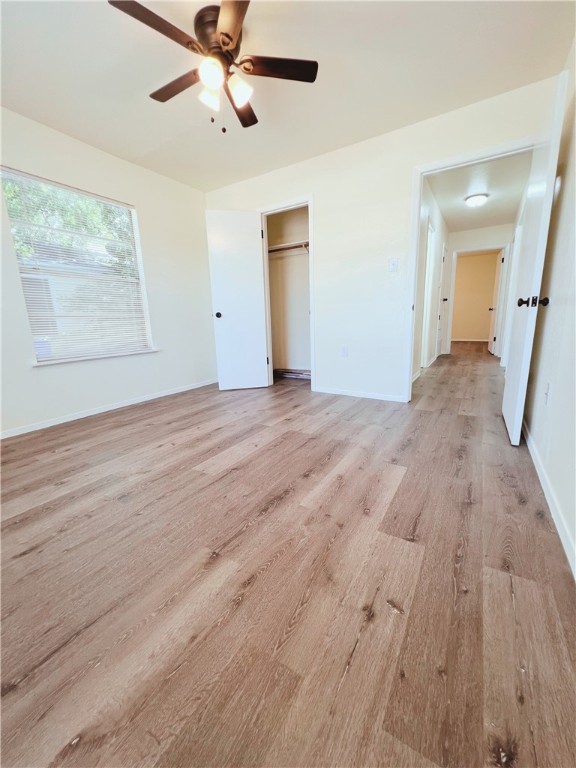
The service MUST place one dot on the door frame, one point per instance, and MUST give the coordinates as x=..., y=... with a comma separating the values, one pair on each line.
x=427, y=296
x=442, y=317
x=495, y=318
x=471, y=158
x=300, y=202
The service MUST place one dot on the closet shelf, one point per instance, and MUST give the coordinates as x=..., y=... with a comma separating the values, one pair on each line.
x=289, y=246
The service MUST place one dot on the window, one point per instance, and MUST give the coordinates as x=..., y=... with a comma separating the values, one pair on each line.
x=79, y=268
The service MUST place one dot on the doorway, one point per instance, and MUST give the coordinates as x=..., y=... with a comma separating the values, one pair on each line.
x=441, y=204
x=476, y=290
x=287, y=242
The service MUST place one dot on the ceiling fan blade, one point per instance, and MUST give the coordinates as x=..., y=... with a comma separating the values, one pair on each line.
x=230, y=20
x=245, y=114
x=176, y=86
x=140, y=13
x=286, y=69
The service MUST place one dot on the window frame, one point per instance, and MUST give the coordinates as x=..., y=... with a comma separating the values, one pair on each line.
x=137, y=259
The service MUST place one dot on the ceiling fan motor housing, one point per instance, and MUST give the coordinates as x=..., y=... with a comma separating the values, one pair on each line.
x=205, y=26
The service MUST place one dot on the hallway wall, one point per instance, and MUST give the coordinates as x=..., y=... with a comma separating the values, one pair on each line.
x=429, y=214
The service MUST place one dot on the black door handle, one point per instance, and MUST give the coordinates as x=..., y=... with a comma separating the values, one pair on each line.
x=545, y=301
x=490, y=309
x=444, y=299
x=521, y=302
x=218, y=314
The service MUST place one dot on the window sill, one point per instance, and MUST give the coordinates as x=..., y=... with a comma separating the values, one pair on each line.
x=45, y=363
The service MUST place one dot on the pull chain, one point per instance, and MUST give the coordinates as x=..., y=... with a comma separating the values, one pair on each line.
x=213, y=120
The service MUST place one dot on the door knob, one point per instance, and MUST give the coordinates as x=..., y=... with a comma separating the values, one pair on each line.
x=218, y=314
x=545, y=301
x=521, y=302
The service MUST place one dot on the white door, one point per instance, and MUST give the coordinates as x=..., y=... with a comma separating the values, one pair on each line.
x=494, y=308
x=238, y=298
x=441, y=305
x=530, y=264
x=429, y=323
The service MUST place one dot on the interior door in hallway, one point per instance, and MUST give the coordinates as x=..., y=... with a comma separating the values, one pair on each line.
x=494, y=307
x=238, y=298
x=530, y=264
x=441, y=304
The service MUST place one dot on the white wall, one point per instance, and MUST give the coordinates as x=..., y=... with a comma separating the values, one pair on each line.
x=485, y=238
x=173, y=239
x=362, y=197
x=550, y=421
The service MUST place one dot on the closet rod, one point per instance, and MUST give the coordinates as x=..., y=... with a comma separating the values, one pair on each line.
x=291, y=247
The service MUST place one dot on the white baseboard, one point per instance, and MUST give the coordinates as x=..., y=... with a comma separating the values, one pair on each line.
x=100, y=409
x=368, y=395
x=484, y=341
x=555, y=509
x=415, y=375
x=429, y=363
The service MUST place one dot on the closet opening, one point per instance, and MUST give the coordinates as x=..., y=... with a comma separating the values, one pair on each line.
x=288, y=262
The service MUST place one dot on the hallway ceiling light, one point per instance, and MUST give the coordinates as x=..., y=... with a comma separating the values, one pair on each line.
x=475, y=201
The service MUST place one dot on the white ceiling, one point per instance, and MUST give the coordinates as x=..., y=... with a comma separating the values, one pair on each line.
x=504, y=179
x=86, y=69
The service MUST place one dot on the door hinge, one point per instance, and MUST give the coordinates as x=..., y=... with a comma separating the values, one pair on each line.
x=502, y=259
x=262, y=234
x=494, y=338
x=268, y=359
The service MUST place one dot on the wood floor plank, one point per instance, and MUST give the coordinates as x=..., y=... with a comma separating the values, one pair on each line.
x=438, y=678
x=253, y=697
x=57, y=703
x=228, y=458
x=189, y=684
x=357, y=654
x=528, y=707
x=280, y=577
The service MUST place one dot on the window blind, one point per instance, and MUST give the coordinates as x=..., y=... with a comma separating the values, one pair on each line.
x=79, y=269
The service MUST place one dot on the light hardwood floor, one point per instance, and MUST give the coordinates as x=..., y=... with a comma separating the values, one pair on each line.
x=286, y=578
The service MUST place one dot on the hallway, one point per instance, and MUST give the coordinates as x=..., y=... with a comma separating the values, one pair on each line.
x=281, y=577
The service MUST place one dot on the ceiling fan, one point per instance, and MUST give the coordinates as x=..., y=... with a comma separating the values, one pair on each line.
x=219, y=33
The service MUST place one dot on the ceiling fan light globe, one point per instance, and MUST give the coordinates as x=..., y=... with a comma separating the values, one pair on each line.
x=211, y=98
x=211, y=73
x=240, y=90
